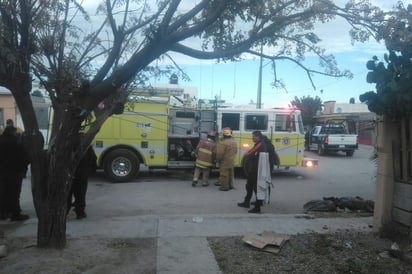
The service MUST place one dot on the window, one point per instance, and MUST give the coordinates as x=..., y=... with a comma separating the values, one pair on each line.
x=300, y=123
x=333, y=130
x=256, y=122
x=231, y=120
x=42, y=116
x=185, y=114
x=282, y=122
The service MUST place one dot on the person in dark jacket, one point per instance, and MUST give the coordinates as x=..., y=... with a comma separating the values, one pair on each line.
x=13, y=164
x=251, y=162
x=78, y=191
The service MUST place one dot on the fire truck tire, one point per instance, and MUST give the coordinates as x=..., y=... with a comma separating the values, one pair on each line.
x=121, y=165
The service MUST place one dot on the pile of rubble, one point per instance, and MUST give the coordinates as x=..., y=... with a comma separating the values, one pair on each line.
x=330, y=204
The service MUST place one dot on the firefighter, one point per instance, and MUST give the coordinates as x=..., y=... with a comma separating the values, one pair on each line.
x=205, y=157
x=226, y=150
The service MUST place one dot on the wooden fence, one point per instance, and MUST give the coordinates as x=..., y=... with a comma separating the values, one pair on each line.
x=402, y=172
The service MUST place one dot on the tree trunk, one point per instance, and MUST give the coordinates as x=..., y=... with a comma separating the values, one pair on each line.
x=52, y=184
x=52, y=206
x=50, y=199
x=51, y=230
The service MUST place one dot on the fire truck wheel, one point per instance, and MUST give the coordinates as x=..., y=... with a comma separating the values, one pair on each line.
x=121, y=165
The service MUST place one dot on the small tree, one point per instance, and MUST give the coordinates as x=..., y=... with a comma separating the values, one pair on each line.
x=134, y=34
x=309, y=107
x=393, y=95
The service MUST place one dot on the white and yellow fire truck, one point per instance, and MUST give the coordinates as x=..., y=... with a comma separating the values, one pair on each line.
x=159, y=130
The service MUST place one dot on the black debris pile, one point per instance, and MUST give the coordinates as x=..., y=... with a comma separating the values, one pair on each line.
x=330, y=204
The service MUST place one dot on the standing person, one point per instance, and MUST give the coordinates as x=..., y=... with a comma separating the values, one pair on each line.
x=16, y=130
x=251, y=162
x=205, y=157
x=20, y=137
x=13, y=164
x=226, y=150
x=78, y=191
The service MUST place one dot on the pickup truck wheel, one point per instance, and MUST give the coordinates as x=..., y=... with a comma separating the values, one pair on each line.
x=321, y=151
x=349, y=153
x=121, y=165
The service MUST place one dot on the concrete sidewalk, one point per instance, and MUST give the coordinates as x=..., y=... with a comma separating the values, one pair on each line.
x=182, y=245
x=163, y=205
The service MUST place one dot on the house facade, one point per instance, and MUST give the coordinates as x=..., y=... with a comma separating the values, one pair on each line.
x=9, y=110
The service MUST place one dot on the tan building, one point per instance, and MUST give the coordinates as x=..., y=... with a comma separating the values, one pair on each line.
x=8, y=108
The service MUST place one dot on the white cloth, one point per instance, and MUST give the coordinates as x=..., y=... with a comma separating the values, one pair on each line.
x=264, y=177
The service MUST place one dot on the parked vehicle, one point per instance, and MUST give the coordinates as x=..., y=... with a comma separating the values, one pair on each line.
x=159, y=131
x=331, y=137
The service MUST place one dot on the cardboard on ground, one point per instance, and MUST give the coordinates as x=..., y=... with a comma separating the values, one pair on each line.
x=267, y=241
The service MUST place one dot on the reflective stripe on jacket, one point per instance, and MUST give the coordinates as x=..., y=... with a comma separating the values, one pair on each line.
x=205, y=151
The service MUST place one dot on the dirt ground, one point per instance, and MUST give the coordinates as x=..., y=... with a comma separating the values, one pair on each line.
x=313, y=253
x=341, y=252
x=86, y=255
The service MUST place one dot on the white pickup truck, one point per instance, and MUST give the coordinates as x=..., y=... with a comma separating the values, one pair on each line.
x=331, y=138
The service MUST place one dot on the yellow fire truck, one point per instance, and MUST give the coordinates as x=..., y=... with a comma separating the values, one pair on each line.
x=160, y=129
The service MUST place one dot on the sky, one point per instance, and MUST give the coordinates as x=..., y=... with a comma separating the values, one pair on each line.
x=237, y=83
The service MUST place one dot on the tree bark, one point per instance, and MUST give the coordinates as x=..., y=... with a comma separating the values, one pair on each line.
x=52, y=184
x=50, y=198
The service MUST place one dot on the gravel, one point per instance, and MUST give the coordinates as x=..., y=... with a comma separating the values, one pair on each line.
x=341, y=252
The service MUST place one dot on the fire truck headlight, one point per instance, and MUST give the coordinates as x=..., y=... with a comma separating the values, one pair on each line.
x=310, y=163
x=151, y=153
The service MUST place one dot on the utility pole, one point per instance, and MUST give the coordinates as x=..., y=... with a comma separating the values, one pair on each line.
x=259, y=91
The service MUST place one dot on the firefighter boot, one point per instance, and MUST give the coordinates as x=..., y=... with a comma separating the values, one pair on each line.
x=194, y=183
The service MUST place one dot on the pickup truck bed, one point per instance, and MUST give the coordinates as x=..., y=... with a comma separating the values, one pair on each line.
x=324, y=139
